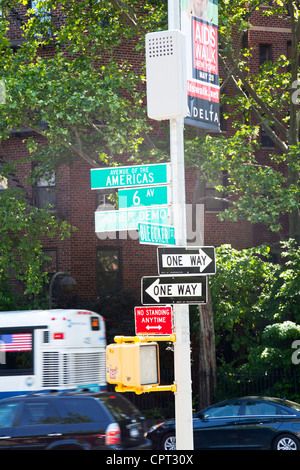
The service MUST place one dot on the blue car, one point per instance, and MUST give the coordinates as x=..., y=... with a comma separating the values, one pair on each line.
x=241, y=423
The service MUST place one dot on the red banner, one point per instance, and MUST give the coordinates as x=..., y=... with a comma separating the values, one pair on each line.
x=202, y=91
x=199, y=22
x=205, y=49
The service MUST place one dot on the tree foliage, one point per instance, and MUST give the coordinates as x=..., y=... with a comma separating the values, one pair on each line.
x=22, y=230
x=256, y=305
x=256, y=190
x=74, y=77
x=69, y=84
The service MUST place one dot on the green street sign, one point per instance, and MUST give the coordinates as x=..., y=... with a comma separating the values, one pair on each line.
x=129, y=219
x=138, y=197
x=156, y=234
x=124, y=176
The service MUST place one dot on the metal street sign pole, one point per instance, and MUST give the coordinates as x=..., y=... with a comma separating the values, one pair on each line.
x=182, y=357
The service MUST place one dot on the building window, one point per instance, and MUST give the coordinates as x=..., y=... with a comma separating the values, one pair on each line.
x=213, y=198
x=44, y=17
x=289, y=54
x=289, y=50
x=40, y=11
x=3, y=183
x=266, y=141
x=265, y=53
x=50, y=265
x=223, y=121
x=268, y=3
x=108, y=270
x=44, y=192
x=106, y=199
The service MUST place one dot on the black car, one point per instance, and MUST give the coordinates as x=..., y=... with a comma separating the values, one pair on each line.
x=71, y=420
x=242, y=423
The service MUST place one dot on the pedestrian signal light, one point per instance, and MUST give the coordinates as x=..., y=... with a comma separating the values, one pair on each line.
x=132, y=364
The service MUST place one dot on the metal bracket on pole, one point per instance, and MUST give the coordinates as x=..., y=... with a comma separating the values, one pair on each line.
x=146, y=388
x=144, y=339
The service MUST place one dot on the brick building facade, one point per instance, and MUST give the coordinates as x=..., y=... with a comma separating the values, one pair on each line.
x=101, y=265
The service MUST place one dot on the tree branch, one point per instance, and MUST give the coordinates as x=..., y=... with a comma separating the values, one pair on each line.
x=130, y=19
x=79, y=151
x=252, y=93
x=261, y=120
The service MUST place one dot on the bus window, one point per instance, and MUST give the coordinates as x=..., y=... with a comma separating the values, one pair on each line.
x=95, y=323
x=16, y=352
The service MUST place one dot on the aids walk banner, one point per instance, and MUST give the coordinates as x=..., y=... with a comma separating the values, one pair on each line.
x=199, y=22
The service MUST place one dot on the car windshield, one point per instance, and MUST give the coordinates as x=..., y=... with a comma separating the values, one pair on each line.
x=119, y=407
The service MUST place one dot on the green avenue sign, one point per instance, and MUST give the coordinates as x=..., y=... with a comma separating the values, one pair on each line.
x=126, y=176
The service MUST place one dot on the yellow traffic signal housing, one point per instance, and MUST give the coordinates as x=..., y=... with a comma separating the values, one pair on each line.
x=134, y=365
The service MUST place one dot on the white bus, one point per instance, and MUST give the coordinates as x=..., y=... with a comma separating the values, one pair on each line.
x=51, y=349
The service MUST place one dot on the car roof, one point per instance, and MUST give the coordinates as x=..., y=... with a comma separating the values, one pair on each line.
x=58, y=393
x=276, y=400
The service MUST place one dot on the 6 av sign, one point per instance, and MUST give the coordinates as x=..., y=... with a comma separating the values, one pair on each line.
x=138, y=197
x=186, y=260
x=174, y=290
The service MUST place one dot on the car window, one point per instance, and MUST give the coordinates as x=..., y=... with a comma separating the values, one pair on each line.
x=79, y=410
x=285, y=411
x=8, y=413
x=38, y=412
x=223, y=410
x=120, y=407
x=259, y=408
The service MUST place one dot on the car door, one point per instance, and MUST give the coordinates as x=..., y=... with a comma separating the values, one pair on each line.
x=38, y=425
x=83, y=420
x=217, y=426
x=258, y=424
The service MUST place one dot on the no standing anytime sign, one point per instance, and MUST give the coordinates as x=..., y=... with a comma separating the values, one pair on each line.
x=153, y=320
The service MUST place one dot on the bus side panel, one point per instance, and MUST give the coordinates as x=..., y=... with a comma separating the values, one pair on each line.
x=68, y=351
x=16, y=385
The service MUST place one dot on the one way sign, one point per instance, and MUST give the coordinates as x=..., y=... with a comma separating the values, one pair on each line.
x=174, y=290
x=186, y=260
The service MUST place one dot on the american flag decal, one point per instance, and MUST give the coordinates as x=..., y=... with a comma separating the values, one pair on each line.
x=16, y=342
